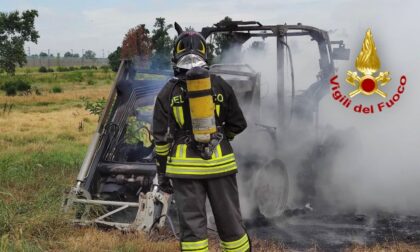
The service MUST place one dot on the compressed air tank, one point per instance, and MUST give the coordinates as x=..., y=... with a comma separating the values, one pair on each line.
x=201, y=104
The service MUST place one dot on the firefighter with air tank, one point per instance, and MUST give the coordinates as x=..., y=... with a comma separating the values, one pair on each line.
x=195, y=116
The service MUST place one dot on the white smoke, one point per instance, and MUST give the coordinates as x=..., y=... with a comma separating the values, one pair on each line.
x=377, y=168
x=386, y=175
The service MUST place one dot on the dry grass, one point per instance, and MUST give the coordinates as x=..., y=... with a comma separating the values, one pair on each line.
x=70, y=238
x=118, y=241
x=53, y=101
x=41, y=149
x=393, y=247
x=73, y=94
x=95, y=240
x=31, y=131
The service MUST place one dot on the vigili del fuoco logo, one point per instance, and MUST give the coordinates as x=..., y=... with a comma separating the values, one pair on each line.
x=369, y=82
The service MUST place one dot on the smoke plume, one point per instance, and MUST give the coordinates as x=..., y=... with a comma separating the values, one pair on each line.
x=372, y=162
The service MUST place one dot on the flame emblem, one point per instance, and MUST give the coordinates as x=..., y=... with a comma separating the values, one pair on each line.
x=368, y=63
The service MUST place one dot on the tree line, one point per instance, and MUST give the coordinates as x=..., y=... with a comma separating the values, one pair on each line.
x=139, y=43
x=153, y=49
x=88, y=54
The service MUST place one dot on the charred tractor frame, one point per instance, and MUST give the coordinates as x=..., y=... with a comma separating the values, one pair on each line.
x=116, y=185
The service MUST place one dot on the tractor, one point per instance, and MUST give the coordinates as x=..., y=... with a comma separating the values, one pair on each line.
x=116, y=184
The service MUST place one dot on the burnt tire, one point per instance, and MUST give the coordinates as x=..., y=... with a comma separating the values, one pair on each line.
x=271, y=188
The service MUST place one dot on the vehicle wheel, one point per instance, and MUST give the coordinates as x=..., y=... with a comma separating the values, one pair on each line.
x=271, y=188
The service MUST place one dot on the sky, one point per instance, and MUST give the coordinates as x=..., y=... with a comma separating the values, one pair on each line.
x=101, y=25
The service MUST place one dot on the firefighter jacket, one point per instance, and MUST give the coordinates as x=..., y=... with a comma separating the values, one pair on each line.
x=178, y=157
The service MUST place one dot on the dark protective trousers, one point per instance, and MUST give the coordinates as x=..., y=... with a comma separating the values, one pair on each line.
x=222, y=192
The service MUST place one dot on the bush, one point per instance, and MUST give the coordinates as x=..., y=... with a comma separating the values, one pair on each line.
x=42, y=69
x=72, y=68
x=62, y=69
x=10, y=90
x=89, y=75
x=50, y=70
x=56, y=89
x=22, y=85
x=85, y=67
x=75, y=76
x=91, y=82
x=12, y=87
x=105, y=69
x=96, y=107
x=94, y=67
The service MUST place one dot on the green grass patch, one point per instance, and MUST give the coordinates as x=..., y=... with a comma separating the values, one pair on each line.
x=31, y=192
x=56, y=89
x=47, y=78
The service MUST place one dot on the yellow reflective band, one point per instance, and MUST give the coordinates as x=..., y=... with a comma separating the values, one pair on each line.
x=176, y=115
x=195, y=246
x=206, y=249
x=217, y=109
x=214, y=155
x=200, y=170
x=162, y=150
x=206, y=168
x=243, y=248
x=199, y=165
x=235, y=244
x=179, y=115
x=163, y=153
x=219, y=151
x=210, y=162
x=178, y=151
x=184, y=151
x=178, y=47
x=162, y=147
x=203, y=50
x=181, y=151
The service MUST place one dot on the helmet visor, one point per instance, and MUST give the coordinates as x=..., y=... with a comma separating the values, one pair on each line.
x=190, y=60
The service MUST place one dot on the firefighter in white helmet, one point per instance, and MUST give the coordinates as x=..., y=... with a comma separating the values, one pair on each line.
x=195, y=116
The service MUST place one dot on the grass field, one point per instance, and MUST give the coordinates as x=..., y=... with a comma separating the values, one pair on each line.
x=43, y=139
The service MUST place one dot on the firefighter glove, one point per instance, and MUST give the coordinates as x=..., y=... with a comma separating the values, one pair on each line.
x=164, y=183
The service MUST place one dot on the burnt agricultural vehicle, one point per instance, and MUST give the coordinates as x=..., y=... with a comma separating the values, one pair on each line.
x=294, y=114
x=116, y=185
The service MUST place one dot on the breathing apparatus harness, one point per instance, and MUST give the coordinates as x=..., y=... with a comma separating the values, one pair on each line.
x=205, y=150
x=213, y=136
